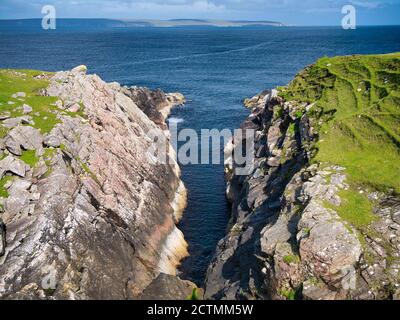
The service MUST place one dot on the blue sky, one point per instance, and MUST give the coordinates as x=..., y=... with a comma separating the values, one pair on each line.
x=292, y=12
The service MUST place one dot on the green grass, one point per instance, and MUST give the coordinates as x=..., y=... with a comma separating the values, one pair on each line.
x=358, y=99
x=86, y=168
x=291, y=259
x=3, y=181
x=13, y=81
x=3, y=131
x=355, y=209
x=289, y=294
x=292, y=129
x=29, y=157
x=194, y=295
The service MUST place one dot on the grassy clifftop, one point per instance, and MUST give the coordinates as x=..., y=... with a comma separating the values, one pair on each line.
x=358, y=97
x=29, y=83
x=355, y=108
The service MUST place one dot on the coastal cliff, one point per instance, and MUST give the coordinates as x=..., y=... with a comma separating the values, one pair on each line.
x=85, y=212
x=319, y=216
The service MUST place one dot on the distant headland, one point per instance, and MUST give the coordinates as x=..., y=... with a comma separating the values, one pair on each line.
x=132, y=23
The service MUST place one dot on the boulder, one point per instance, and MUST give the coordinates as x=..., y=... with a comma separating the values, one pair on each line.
x=75, y=107
x=26, y=109
x=331, y=248
x=167, y=287
x=12, y=165
x=80, y=69
x=16, y=203
x=14, y=122
x=26, y=137
x=19, y=95
x=52, y=141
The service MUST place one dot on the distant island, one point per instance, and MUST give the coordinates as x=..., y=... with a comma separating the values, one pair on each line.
x=197, y=23
x=35, y=24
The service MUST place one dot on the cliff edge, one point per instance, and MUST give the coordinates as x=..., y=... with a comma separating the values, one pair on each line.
x=85, y=212
x=319, y=217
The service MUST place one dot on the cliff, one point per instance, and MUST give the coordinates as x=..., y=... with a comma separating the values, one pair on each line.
x=85, y=212
x=319, y=217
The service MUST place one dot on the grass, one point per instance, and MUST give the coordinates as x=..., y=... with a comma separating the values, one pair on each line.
x=292, y=129
x=289, y=294
x=358, y=98
x=3, y=182
x=29, y=157
x=44, y=112
x=291, y=259
x=194, y=296
x=86, y=168
x=12, y=81
x=355, y=209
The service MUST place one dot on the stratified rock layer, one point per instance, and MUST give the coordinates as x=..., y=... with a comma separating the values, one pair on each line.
x=92, y=218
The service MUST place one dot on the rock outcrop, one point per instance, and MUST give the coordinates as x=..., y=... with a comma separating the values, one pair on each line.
x=301, y=228
x=155, y=104
x=86, y=212
x=167, y=287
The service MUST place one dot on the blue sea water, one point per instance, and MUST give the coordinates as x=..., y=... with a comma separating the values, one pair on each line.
x=215, y=68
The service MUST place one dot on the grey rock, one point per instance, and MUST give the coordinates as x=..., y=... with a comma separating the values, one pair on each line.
x=12, y=165
x=19, y=185
x=315, y=292
x=331, y=248
x=19, y=95
x=11, y=122
x=15, y=204
x=156, y=104
x=79, y=69
x=75, y=107
x=167, y=287
x=26, y=109
x=26, y=137
x=52, y=141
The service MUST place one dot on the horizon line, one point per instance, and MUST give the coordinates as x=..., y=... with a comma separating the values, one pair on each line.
x=281, y=24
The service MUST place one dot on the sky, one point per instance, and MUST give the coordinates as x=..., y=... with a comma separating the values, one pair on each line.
x=290, y=12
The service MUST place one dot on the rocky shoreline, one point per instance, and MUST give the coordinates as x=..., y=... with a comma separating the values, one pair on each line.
x=300, y=228
x=85, y=212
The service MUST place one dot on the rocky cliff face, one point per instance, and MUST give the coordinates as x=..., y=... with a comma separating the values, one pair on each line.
x=309, y=226
x=86, y=213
